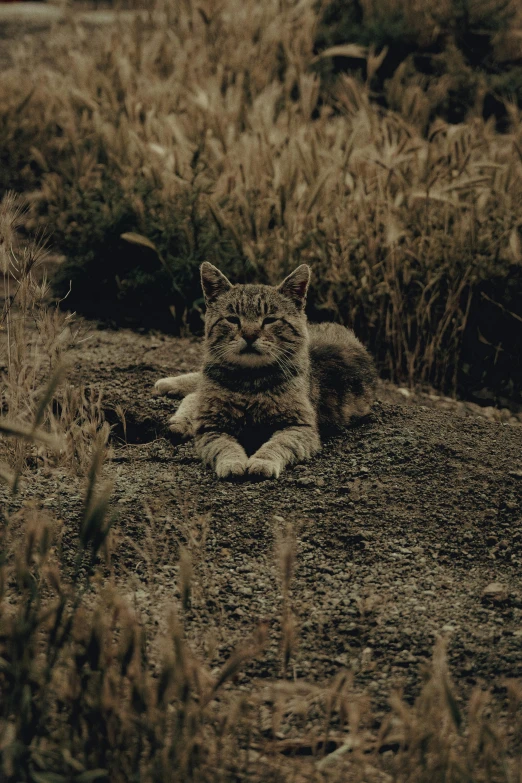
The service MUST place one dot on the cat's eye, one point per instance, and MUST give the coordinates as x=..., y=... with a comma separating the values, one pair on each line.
x=269, y=320
x=233, y=319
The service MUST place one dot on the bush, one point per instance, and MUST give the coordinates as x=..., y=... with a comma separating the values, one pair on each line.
x=454, y=51
x=125, y=283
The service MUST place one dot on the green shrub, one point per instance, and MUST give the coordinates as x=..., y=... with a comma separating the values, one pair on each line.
x=451, y=50
x=106, y=276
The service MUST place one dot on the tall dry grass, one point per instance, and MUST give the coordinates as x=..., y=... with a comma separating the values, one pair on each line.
x=208, y=130
x=35, y=396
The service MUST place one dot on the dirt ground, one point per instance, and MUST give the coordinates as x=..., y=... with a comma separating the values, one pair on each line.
x=408, y=526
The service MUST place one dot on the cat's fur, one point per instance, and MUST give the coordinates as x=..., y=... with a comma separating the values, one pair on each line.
x=269, y=380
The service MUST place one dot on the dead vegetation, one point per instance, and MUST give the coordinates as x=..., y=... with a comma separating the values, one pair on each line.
x=88, y=693
x=35, y=337
x=210, y=131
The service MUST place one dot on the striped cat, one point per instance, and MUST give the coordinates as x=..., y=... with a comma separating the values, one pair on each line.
x=269, y=380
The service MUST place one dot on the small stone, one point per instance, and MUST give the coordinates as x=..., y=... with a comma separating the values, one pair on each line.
x=495, y=593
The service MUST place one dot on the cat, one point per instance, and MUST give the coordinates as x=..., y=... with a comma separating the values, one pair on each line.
x=269, y=381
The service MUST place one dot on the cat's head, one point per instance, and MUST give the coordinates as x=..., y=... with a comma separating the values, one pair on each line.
x=255, y=325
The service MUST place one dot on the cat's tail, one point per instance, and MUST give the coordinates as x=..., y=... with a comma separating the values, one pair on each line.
x=343, y=375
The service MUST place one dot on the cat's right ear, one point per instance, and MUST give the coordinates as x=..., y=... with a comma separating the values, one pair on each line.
x=213, y=282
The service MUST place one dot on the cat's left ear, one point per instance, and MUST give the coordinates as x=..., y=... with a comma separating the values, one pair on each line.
x=295, y=286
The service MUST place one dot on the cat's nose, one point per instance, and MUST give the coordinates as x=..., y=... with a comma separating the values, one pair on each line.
x=250, y=337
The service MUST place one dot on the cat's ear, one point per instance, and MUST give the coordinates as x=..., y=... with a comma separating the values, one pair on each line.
x=213, y=282
x=295, y=286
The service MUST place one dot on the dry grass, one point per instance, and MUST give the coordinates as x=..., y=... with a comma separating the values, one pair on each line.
x=35, y=339
x=86, y=696
x=208, y=130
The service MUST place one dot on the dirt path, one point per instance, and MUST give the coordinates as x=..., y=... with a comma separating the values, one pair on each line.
x=400, y=523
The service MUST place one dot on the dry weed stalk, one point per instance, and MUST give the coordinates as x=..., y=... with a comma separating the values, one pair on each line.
x=438, y=740
x=285, y=560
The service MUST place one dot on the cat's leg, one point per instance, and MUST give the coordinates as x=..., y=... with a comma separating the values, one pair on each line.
x=222, y=452
x=285, y=447
x=182, y=423
x=178, y=385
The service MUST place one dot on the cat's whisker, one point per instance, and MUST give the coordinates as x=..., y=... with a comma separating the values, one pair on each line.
x=288, y=367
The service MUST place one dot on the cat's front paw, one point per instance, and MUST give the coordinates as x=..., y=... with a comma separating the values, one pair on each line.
x=167, y=386
x=230, y=468
x=181, y=428
x=261, y=469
